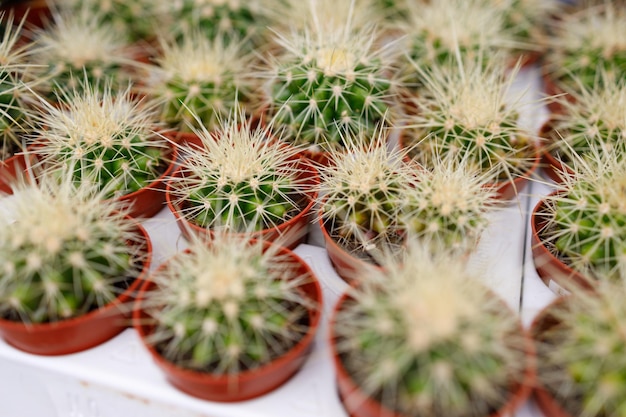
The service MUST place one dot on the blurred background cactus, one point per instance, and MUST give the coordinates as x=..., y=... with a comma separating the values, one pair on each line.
x=64, y=251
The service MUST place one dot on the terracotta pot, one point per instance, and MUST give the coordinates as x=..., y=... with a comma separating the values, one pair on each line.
x=552, y=271
x=10, y=170
x=247, y=384
x=82, y=332
x=36, y=12
x=290, y=233
x=544, y=399
x=552, y=89
x=359, y=404
x=552, y=166
x=508, y=190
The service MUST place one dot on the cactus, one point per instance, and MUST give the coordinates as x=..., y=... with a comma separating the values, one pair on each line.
x=363, y=189
x=448, y=207
x=469, y=112
x=327, y=84
x=227, y=307
x=594, y=118
x=77, y=44
x=425, y=337
x=582, y=358
x=199, y=80
x=586, y=43
x=586, y=218
x=325, y=15
x=528, y=19
x=241, y=179
x=65, y=253
x=15, y=115
x=107, y=137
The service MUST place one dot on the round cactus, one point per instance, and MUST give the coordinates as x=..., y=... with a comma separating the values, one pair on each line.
x=425, y=337
x=327, y=84
x=199, y=80
x=594, y=118
x=240, y=179
x=364, y=188
x=586, y=218
x=228, y=307
x=527, y=19
x=581, y=358
x=586, y=43
x=65, y=252
x=465, y=113
x=76, y=45
x=107, y=137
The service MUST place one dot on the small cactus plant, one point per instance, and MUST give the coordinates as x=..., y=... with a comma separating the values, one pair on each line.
x=425, y=337
x=585, y=220
x=64, y=251
x=594, y=118
x=107, y=137
x=327, y=84
x=587, y=43
x=228, y=307
x=580, y=352
x=199, y=80
x=363, y=188
x=468, y=112
x=77, y=44
x=241, y=179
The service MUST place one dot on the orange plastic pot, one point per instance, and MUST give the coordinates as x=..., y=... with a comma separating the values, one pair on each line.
x=552, y=271
x=10, y=170
x=247, y=384
x=509, y=189
x=553, y=167
x=82, y=332
x=359, y=404
x=289, y=233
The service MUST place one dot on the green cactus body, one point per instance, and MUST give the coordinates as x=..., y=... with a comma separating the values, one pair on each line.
x=240, y=180
x=322, y=89
x=588, y=43
x=104, y=138
x=227, y=307
x=423, y=338
x=581, y=360
x=66, y=254
x=527, y=19
x=199, y=81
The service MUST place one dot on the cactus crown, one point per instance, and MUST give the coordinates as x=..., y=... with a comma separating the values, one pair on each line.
x=65, y=253
x=199, y=80
x=328, y=84
x=106, y=136
x=425, y=337
x=324, y=15
x=595, y=118
x=527, y=18
x=470, y=111
x=587, y=42
x=363, y=188
x=586, y=218
x=80, y=42
x=242, y=179
x=228, y=307
x=581, y=359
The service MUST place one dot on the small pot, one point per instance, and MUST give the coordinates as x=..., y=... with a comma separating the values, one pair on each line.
x=553, y=167
x=82, y=332
x=247, y=384
x=35, y=12
x=507, y=190
x=359, y=404
x=544, y=399
x=552, y=271
x=290, y=233
x=10, y=170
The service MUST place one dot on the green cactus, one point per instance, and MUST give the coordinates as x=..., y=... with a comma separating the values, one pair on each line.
x=363, y=189
x=528, y=19
x=107, y=137
x=448, y=207
x=594, y=118
x=240, y=179
x=67, y=252
x=328, y=84
x=199, y=80
x=228, y=307
x=587, y=43
x=582, y=358
x=586, y=218
x=80, y=44
x=469, y=113
x=425, y=337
